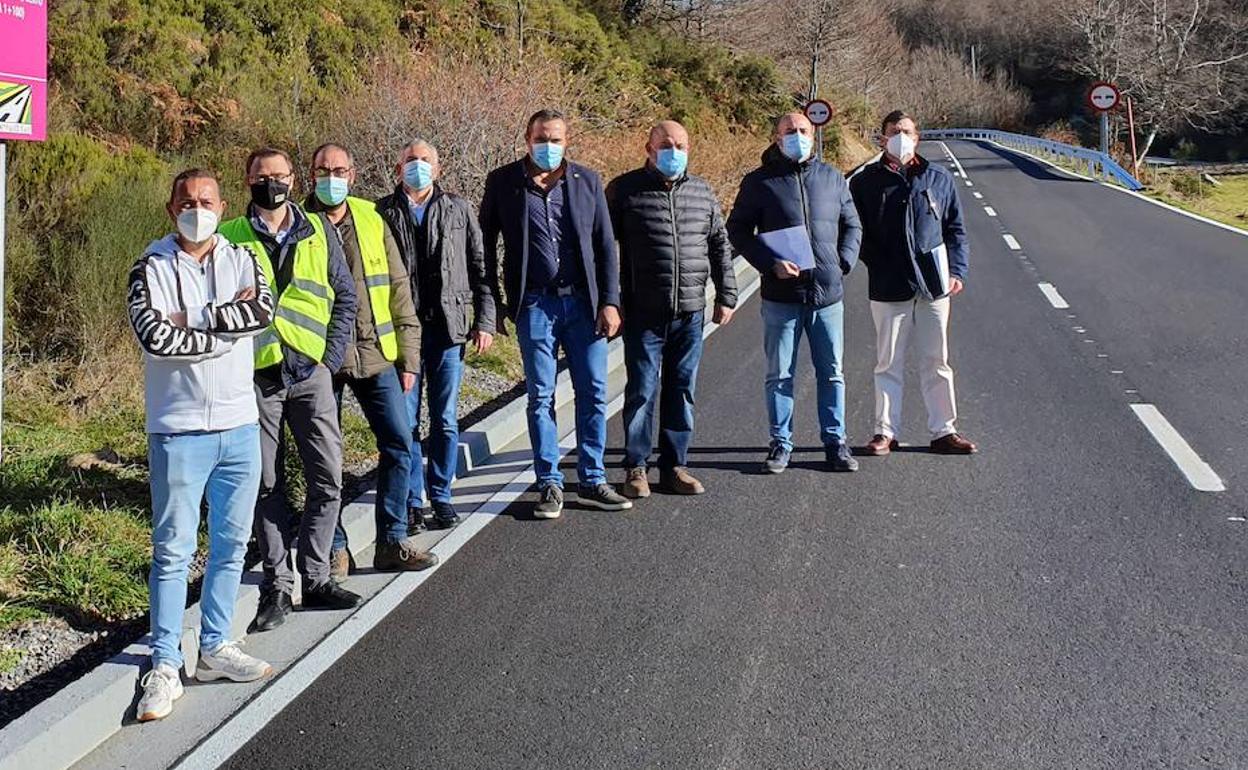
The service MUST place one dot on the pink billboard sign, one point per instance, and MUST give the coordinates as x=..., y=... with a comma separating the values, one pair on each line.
x=23, y=70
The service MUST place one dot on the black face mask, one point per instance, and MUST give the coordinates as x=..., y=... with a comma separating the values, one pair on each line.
x=270, y=194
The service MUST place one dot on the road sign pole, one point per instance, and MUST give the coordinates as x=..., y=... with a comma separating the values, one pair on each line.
x=1105, y=132
x=3, y=171
x=819, y=143
x=1135, y=156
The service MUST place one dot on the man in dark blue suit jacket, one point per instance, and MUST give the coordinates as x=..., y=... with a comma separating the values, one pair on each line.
x=562, y=285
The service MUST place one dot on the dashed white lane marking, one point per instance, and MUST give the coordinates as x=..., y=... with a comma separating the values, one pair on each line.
x=990, y=211
x=1050, y=293
x=1197, y=471
x=969, y=183
x=956, y=162
x=1012, y=242
x=1236, y=518
x=978, y=195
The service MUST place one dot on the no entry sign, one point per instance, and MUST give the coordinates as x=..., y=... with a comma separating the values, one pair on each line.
x=819, y=112
x=1103, y=97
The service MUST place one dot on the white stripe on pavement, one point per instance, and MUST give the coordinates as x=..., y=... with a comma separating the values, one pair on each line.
x=1050, y=293
x=1197, y=471
x=1012, y=242
x=978, y=196
x=990, y=211
x=956, y=162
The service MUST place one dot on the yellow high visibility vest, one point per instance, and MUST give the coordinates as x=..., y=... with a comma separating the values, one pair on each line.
x=301, y=319
x=370, y=233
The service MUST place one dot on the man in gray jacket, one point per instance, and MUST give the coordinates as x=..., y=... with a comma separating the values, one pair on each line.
x=440, y=241
x=672, y=241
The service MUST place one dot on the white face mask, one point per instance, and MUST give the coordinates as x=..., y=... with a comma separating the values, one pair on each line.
x=901, y=147
x=197, y=225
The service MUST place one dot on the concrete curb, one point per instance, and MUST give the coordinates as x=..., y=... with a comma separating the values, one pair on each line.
x=68, y=726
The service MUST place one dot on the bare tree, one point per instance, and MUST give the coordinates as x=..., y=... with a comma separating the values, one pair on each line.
x=1181, y=61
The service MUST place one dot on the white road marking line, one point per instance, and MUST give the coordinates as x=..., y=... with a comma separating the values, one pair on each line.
x=1012, y=242
x=956, y=162
x=1236, y=518
x=1197, y=471
x=1050, y=293
x=978, y=196
x=969, y=183
x=1115, y=371
x=990, y=211
x=1102, y=355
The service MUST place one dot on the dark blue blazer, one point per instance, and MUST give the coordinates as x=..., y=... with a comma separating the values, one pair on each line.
x=504, y=211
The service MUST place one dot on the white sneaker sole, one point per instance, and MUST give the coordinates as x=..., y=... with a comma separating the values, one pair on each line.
x=152, y=716
x=621, y=506
x=213, y=675
x=547, y=514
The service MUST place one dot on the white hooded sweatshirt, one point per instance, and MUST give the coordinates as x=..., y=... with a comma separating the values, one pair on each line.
x=198, y=377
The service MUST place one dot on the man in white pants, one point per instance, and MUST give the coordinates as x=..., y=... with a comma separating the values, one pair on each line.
x=915, y=248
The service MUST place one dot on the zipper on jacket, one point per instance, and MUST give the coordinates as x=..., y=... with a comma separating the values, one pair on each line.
x=671, y=208
x=801, y=188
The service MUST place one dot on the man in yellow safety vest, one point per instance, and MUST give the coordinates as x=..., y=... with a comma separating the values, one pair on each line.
x=384, y=358
x=296, y=358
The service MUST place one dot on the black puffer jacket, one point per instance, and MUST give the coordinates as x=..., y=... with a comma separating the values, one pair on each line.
x=672, y=240
x=784, y=194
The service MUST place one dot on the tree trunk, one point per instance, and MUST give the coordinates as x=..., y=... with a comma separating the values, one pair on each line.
x=1148, y=143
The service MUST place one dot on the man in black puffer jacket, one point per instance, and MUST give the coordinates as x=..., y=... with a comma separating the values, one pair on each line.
x=672, y=240
x=795, y=221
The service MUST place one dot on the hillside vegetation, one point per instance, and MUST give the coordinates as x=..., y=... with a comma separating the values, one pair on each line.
x=141, y=88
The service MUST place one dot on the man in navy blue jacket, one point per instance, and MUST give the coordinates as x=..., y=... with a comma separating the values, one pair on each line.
x=810, y=200
x=562, y=285
x=915, y=249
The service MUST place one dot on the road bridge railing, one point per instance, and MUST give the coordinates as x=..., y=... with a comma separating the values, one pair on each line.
x=1098, y=165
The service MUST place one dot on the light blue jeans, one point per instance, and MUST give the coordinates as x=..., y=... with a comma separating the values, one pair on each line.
x=224, y=467
x=783, y=326
x=544, y=324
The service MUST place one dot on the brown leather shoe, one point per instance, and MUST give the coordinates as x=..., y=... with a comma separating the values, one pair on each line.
x=678, y=481
x=402, y=556
x=881, y=445
x=340, y=564
x=953, y=444
x=636, y=486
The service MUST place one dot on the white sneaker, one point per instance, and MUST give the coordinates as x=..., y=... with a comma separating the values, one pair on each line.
x=229, y=662
x=161, y=687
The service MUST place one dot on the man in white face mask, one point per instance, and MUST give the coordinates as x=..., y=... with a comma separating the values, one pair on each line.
x=195, y=302
x=915, y=248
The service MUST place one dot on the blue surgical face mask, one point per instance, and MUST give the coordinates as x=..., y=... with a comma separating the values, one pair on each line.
x=672, y=162
x=331, y=190
x=796, y=147
x=417, y=174
x=546, y=155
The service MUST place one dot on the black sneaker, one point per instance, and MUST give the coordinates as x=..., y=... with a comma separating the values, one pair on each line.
x=329, y=596
x=777, y=458
x=444, y=516
x=275, y=605
x=415, y=521
x=604, y=497
x=549, y=503
x=839, y=458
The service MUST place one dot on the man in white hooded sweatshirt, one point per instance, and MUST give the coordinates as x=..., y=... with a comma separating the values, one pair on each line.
x=195, y=301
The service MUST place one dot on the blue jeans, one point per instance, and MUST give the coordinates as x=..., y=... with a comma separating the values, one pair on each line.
x=441, y=369
x=545, y=323
x=381, y=398
x=662, y=364
x=783, y=326
x=223, y=466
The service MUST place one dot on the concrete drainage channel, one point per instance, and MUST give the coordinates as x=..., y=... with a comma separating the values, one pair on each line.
x=90, y=723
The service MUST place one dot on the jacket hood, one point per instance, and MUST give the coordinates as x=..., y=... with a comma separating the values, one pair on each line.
x=163, y=247
x=773, y=157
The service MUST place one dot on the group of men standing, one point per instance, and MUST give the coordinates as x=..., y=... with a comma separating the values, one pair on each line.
x=260, y=322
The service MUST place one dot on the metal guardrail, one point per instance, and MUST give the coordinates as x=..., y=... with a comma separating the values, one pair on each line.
x=1099, y=165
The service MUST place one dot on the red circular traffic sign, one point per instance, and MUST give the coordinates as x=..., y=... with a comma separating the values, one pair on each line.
x=1103, y=96
x=819, y=112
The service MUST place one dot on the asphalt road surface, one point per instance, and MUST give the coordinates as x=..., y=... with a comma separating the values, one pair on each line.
x=1063, y=599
